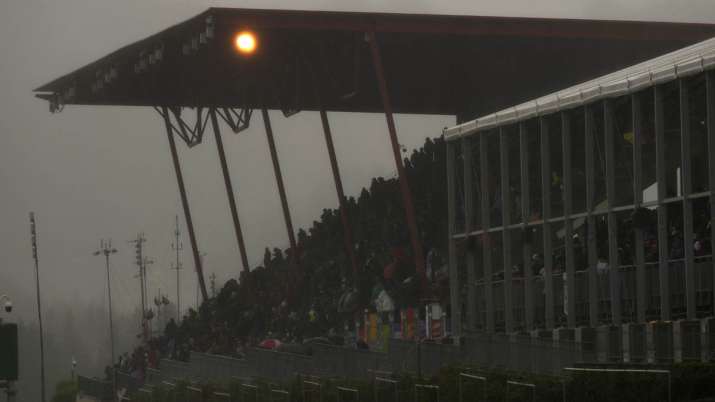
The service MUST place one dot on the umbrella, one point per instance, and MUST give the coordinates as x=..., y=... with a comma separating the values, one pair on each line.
x=269, y=344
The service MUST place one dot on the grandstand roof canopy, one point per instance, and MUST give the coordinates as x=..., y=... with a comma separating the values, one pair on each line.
x=681, y=63
x=459, y=65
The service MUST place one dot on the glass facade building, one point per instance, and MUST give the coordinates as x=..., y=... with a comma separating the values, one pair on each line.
x=591, y=206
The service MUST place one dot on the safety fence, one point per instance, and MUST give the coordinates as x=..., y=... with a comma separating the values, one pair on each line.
x=457, y=384
x=544, y=352
x=522, y=353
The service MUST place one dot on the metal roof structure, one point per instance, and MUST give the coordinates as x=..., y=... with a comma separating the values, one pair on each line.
x=680, y=63
x=455, y=65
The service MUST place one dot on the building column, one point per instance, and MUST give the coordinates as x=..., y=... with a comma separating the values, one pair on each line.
x=710, y=107
x=568, y=222
x=614, y=271
x=506, y=239
x=636, y=108
x=486, y=254
x=686, y=183
x=546, y=201
x=663, y=256
x=468, y=228
x=590, y=220
x=525, y=212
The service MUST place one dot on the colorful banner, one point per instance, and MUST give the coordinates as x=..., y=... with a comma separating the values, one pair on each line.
x=408, y=323
x=372, y=327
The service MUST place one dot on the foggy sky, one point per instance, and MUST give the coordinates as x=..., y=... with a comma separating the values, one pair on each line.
x=92, y=172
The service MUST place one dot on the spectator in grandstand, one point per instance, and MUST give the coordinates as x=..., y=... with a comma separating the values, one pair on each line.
x=602, y=266
x=676, y=244
x=580, y=257
x=537, y=264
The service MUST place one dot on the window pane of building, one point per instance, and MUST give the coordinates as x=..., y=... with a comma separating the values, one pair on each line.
x=556, y=182
x=474, y=144
x=676, y=265
x=627, y=269
x=623, y=151
x=481, y=308
x=702, y=253
x=517, y=291
x=698, y=133
x=600, y=201
x=578, y=160
x=557, y=273
x=534, y=169
x=459, y=219
x=649, y=184
x=533, y=235
x=497, y=251
x=671, y=119
x=603, y=269
x=513, y=148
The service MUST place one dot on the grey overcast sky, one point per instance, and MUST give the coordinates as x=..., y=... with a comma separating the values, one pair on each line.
x=106, y=172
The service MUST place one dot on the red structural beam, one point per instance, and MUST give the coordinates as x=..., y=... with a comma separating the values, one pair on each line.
x=404, y=185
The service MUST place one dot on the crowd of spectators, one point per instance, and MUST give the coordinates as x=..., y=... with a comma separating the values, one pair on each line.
x=318, y=296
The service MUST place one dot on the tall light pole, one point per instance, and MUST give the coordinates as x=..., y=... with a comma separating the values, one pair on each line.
x=33, y=233
x=105, y=247
x=177, y=246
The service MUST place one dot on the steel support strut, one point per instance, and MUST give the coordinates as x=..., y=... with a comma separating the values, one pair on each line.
x=404, y=185
x=279, y=183
x=229, y=190
x=347, y=229
x=185, y=203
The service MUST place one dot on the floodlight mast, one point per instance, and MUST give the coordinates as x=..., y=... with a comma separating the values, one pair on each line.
x=33, y=233
x=177, y=246
x=106, y=249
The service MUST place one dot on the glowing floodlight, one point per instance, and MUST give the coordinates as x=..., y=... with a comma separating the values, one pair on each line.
x=246, y=42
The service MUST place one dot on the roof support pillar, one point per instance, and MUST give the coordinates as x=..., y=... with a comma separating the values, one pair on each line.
x=229, y=190
x=185, y=203
x=347, y=229
x=281, y=187
x=404, y=185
